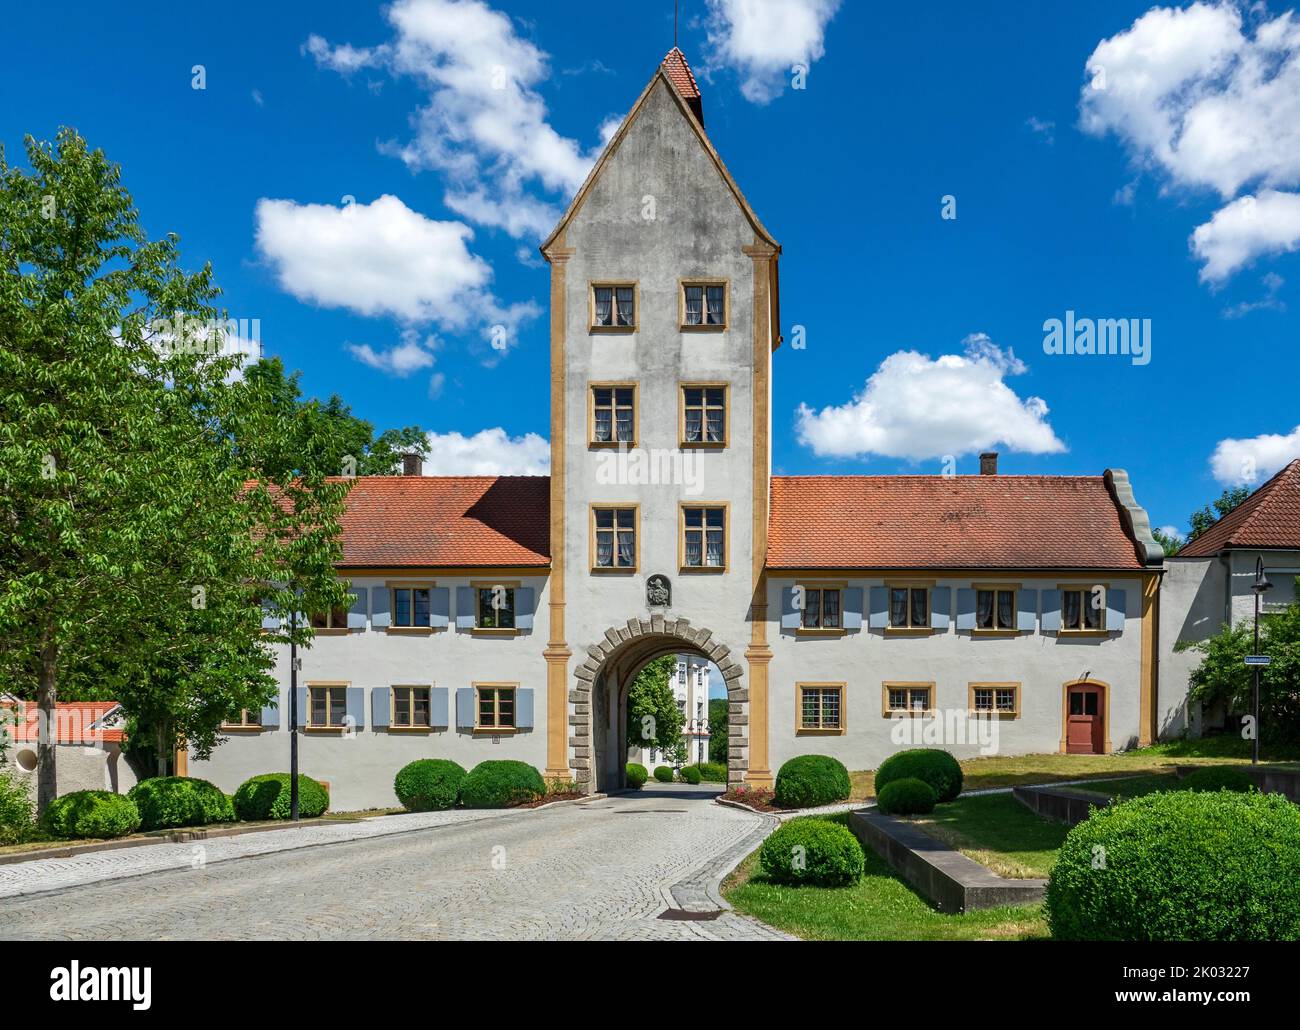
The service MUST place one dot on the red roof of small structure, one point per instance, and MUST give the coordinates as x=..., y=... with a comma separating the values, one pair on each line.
x=1268, y=518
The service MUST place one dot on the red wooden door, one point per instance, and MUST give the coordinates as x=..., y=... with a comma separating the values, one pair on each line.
x=1083, y=721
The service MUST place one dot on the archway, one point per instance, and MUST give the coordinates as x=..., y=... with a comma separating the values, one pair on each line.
x=600, y=692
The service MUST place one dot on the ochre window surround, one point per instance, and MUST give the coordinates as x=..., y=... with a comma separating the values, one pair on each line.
x=483, y=594
x=901, y=697
x=703, y=305
x=614, y=411
x=614, y=306
x=416, y=597
x=993, y=607
x=494, y=707
x=704, y=532
x=1078, y=616
x=704, y=414
x=913, y=601
x=327, y=705
x=249, y=719
x=409, y=706
x=823, y=610
x=332, y=622
x=819, y=709
x=610, y=524
x=994, y=698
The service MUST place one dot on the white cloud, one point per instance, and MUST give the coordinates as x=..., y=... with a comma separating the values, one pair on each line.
x=489, y=452
x=763, y=40
x=1042, y=127
x=1272, y=283
x=1171, y=531
x=1244, y=230
x=383, y=258
x=1254, y=459
x=917, y=407
x=484, y=124
x=407, y=357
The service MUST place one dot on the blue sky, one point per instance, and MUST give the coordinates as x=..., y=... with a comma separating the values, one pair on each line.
x=1070, y=194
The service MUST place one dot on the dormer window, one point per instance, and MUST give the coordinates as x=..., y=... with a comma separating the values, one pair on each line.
x=613, y=306
x=704, y=305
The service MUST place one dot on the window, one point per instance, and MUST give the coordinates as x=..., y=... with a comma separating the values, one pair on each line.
x=411, y=606
x=704, y=537
x=995, y=609
x=245, y=719
x=327, y=706
x=995, y=698
x=613, y=306
x=496, y=708
x=496, y=607
x=821, y=707
x=909, y=607
x=704, y=414
x=335, y=618
x=909, y=698
x=410, y=707
x=1083, y=610
x=613, y=414
x=614, y=538
x=821, y=608
x=1084, y=702
x=704, y=305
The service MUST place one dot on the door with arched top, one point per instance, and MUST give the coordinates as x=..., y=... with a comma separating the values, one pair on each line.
x=1085, y=716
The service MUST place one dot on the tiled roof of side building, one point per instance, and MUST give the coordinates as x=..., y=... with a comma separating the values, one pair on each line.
x=679, y=71
x=447, y=521
x=1268, y=518
x=73, y=723
x=947, y=522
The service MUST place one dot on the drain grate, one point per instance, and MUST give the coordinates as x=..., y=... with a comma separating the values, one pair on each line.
x=681, y=915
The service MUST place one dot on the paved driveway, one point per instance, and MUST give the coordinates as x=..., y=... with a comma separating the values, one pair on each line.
x=604, y=869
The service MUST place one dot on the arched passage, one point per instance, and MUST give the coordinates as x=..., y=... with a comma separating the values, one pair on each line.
x=600, y=692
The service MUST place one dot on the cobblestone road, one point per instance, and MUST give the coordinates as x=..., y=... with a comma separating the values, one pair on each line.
x=602, y=870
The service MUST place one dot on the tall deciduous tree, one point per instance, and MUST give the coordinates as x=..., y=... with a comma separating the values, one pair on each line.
x=718, y=730
x=1202, y=519
x=653, y=718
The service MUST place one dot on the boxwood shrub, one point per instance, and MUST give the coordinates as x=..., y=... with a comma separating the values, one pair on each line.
x=811, y=780
x=937, y=768
x=812, y=851
x=690, y=774
x=100, y=814
x=17, y=808
x=713, y=772
x=428, y=784
x=165, y=801
x=1220, y=777
x=501, y=784
x=907, y=797
x=267, y=797
x=637, y=774
x=664, y=773
x=1180, y=866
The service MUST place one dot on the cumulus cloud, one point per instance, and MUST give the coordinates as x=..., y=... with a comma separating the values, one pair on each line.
x=1208, y=98
x=407, y=357
x=764, y=39
x=383, y=258
x=918, y=407
x=1253, y=459
x=483, y=125
x=489, y=452
x=1244, y=230
x=1272, y=283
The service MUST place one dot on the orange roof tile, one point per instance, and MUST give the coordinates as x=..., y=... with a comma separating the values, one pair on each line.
x=947, y=522
x=72, y=723
x=447, y=521
x=1268, y=518
x=680, y=73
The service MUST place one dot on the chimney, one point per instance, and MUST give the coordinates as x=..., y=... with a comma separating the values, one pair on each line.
x=989, y=463
x=412, y=465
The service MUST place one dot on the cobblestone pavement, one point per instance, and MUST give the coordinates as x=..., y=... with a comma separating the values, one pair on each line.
x=601, y=870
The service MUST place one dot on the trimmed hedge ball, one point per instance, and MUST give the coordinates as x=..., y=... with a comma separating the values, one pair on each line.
x=428, y=784
x=1180, y=866
x=811, y=780
x=1221, y=777
x=691, y=775
x=664, y=773
x=167, y=801
x=268, y=797
x=713, y=772
x=937, y=768
x=501, y=784
x=637, y=774
x=907, y=797
x=98, y=814
x=812, y=851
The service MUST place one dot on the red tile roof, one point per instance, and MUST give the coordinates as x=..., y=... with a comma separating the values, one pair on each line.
x=680, y=73
x=1270, y=517
x=72, y=723
x=447, y=521
x=947, y=522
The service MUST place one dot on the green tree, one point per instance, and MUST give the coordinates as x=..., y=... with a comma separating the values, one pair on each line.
x=151, y=505
x=1201, y=520
x=1171, y=542
x=653, y=718
x=719, y=712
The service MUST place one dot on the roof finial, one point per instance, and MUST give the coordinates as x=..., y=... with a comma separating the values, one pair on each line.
x=675, y=4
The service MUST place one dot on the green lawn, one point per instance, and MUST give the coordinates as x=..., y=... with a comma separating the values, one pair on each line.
x=880, y=907
x=999, y=832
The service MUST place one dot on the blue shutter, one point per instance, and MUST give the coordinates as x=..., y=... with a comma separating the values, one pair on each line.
x=1027, y=617
x=853, y=608
x=940, y=607
x=357, y=613
x=357, y=706
x=302, y=707
x=439, y=607
x=379, y=697
x=790, y=615
x=1051, y=611
x=270, y=717
x=965, y=609
x=1116, y=610
x=523, y=709
x=464, y=708
x=438, y=706
x=465, y=609
x=879, y=608
x=525, y=602
x=381, y=616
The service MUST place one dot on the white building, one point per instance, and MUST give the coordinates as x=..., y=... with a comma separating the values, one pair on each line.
x=690, y=686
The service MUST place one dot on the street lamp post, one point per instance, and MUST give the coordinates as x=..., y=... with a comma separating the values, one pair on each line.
x=293, y=715
x=1260, y=585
